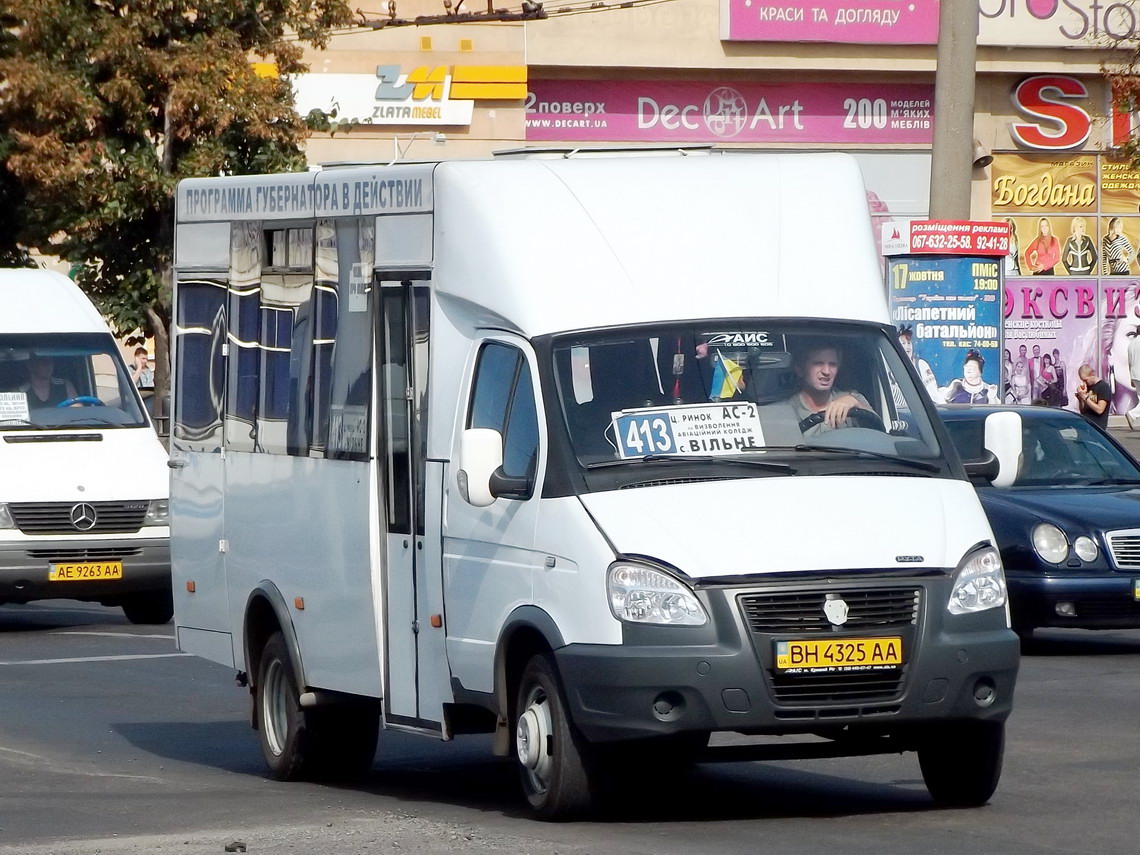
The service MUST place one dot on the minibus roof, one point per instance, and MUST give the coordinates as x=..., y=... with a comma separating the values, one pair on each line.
x=547, y=245
x=33, y=300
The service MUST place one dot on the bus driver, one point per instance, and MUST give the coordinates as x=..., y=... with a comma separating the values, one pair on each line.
x=816, y=368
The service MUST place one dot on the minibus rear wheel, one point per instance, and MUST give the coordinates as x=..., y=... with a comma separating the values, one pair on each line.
x=961, y=762
x=554, y=762
x=329, y=743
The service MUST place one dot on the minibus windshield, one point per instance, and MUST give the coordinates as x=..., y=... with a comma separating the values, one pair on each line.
x=63, y=381
x=712, y=390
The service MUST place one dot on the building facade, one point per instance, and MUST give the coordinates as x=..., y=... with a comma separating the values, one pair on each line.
x=853, y=75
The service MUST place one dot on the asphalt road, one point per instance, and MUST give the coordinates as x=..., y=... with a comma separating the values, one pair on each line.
x=111, y=741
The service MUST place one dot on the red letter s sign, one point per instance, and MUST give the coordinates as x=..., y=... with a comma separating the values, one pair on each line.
x=1049, y=97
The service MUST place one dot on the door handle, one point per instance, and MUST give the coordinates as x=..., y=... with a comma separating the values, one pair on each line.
x=176, y=464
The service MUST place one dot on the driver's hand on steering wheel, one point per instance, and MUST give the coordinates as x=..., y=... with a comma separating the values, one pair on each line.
x=836, y=412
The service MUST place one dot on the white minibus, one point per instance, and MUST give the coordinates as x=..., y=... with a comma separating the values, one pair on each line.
x=83, y=477
x=606, y=456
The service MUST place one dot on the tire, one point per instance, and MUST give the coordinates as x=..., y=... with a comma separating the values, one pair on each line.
x=331, y=743
x=961, y=763
x=554, y=762
x=151, y=608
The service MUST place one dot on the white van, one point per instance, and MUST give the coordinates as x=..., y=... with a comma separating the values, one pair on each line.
x=83, y=478
x=516, y=447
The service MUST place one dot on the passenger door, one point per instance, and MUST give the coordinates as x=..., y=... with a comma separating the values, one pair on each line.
x=417, y=678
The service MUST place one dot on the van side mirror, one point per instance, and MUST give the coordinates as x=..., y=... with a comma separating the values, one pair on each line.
x=480, y=456
x=986, y=469
x=1003, y=441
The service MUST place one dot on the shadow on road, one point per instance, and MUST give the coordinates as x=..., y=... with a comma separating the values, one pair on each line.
x=1081, y=642
x=465, y=774
x=54, y=614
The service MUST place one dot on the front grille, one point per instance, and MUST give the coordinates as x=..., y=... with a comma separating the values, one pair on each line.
x=55, y=517
x=1125, y=548
x=802, y=611
x=115, y=553
x=844, y=688
x=779, y=615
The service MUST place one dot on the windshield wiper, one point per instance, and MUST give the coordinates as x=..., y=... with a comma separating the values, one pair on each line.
x=21, y=422
x=769, y=465
x=924, y=465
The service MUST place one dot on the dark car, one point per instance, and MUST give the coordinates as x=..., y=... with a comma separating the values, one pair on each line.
x=1068, y=527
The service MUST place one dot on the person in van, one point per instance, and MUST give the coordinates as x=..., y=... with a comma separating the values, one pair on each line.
x=816, y=367
x=141, y=372
x=43, y=388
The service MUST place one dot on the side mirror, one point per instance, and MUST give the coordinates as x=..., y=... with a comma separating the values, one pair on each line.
x=987, y=468
x=1003, y=441
x=481, y=455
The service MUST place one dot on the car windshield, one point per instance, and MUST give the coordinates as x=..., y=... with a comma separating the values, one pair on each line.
x=717, y=390
x=1057, y=450
x=63, y=381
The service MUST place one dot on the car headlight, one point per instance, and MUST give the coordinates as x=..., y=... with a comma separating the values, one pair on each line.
x=1085, y=547
x=640, y=594
x=1050, y=543
x=6, y=520
x=158, y=512
x=979, y=583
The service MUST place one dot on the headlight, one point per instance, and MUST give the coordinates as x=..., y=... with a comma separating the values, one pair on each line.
x=1085, y=547
x=158, y=512
x=1050, y=543
x=6, y=520
x=979, y=583
x=640, y=594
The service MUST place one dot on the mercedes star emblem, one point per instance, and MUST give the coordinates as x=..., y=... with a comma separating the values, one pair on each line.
x=83, y=517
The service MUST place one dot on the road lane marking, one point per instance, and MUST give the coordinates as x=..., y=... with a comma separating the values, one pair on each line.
x=114, y=634
x=92, y=659
x=26, y=759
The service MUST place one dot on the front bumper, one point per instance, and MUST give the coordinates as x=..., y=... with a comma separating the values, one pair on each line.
x=1100, y=601
x=25, y=565
x=722, y=677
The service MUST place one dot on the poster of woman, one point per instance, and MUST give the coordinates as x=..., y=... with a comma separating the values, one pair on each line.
x=1050, y=330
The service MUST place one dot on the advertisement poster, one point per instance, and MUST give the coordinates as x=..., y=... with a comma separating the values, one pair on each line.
x=651, y=111
x=1051, y=330
x=948, y=314
x=1119, y=318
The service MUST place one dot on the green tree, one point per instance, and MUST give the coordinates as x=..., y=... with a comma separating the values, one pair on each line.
x=106, y=104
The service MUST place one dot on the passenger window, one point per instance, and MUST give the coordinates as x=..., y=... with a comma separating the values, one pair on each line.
x=504, y=401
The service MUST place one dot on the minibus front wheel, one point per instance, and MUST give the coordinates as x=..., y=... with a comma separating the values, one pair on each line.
x=554, y=761
x=961, y=762
x=327, y=743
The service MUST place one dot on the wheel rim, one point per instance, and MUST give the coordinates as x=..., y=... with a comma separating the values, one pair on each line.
x=532, y=736
x=274, y=707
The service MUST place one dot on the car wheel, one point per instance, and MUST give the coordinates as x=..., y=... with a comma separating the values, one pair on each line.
x=554, y=762
x=150, y=608
x=329, y=743
x=961, y=763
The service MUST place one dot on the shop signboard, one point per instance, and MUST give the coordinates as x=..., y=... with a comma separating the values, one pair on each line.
x=1090, y=24
x=947, y=311
x=689, y=112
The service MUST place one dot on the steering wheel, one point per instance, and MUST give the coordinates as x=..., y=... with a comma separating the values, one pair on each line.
x=85, y=400
x=861, y=418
